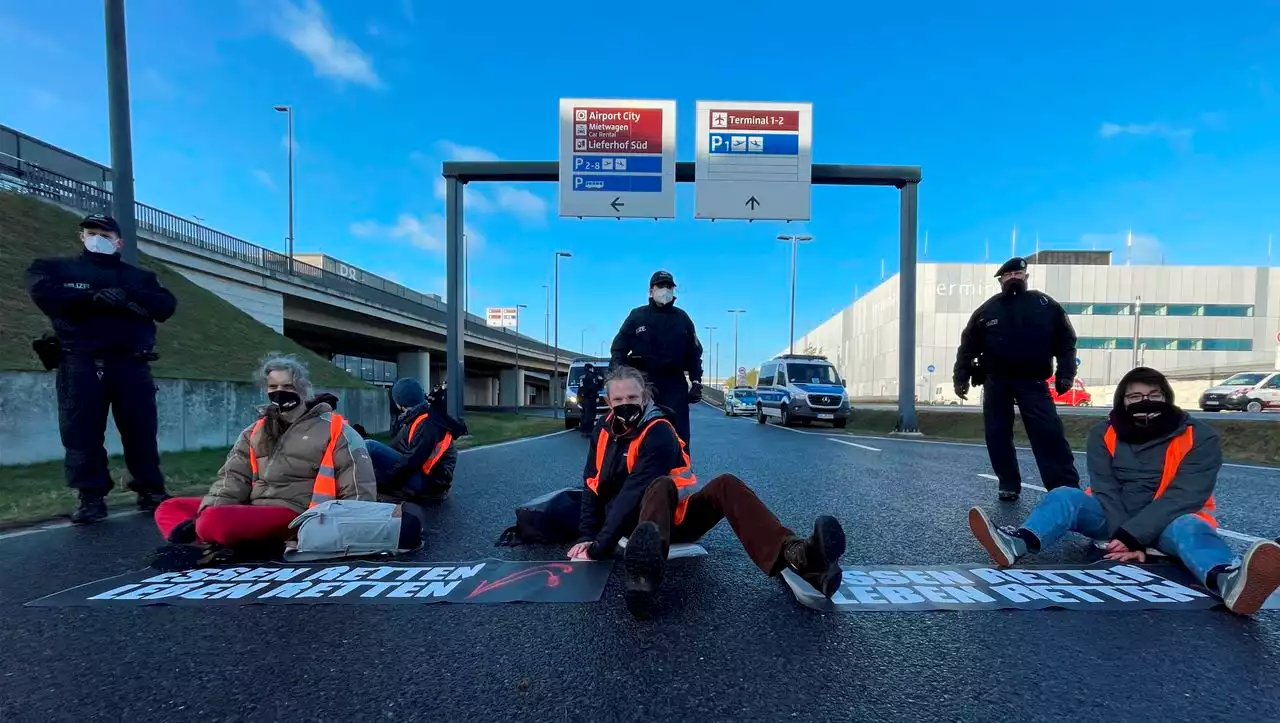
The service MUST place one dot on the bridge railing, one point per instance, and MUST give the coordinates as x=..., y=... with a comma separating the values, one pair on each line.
x=28, y=178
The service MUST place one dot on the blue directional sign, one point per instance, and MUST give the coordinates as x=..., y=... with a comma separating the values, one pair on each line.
x=617, y=158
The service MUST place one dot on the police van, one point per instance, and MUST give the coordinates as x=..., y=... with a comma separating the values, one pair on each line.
x=572, y=402
x=801, y=388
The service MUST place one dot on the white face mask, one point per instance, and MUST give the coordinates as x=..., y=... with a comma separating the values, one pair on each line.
x=99, y=244
x=664, y=296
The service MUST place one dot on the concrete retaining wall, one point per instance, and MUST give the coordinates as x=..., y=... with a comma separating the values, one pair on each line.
x=193, y=414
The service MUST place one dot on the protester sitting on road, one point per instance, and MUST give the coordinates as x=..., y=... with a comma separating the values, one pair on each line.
x=1152, y=470
x=418, y=465
x=639, y=484
x=296, y=455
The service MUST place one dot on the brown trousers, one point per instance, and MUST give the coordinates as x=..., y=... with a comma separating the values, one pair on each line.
x=725, y=497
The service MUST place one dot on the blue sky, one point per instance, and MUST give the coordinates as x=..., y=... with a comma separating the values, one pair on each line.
x=1075, y=124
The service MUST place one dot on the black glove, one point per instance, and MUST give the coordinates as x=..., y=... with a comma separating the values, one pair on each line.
x=695, y=393
x=1062, y=386
x=962, y=389
x=111, y=297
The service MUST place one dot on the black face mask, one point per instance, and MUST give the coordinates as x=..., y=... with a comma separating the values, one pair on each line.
x=1147, y=413
x=625, y=418
x=285, y=399
x=1014, y=286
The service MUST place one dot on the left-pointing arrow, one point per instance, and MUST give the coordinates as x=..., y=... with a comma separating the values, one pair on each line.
x=617, y=203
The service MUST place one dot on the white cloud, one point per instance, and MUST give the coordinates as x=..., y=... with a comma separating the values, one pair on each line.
x=284, y=143
x=458, y=152
x=265, y=179
x=1176, y=136
x=306, y=28
x=42, y=99
x=1146, y=250
x=427, y=232
x=521, y=203
x=472, y=198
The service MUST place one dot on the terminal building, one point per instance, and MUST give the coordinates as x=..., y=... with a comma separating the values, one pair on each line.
x=1196, y=323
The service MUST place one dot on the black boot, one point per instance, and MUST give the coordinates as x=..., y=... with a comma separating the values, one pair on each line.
x=148, y=499
x=1008, y=496
x=817, y=559
x=92, y=508
x=645, y=562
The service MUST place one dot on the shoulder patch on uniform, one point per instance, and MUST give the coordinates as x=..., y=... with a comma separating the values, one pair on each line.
x=1044, y=301
x=641, y=329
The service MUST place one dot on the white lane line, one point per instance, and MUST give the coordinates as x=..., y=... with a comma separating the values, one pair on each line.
x=1225, y=533
x=514, y=441
x=58, y=525
x=853, y=444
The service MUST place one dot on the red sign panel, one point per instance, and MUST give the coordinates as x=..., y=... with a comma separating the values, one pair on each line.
x=755, y=120
x=617, y=130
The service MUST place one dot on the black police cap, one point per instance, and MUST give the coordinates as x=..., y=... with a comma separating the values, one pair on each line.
x=662, y=278
x=102, y=221
x=1017, y=263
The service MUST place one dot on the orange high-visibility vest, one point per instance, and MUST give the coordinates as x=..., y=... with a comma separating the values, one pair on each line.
x=686, y=482
x=441, y=447
x=326, y=484
x=1178, y=448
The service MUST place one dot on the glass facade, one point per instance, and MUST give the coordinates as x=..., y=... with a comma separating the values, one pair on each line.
x=1164, y=344
x=1077, y=308
x=373, y=371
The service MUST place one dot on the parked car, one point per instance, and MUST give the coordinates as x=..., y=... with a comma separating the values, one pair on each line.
x=801, y=388
x=1076, y=396
x=1243, y=392
x=739, y=400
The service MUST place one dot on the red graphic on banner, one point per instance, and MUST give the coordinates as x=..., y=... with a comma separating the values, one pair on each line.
x=617, y=130
x=550, y=570
x=754, y=120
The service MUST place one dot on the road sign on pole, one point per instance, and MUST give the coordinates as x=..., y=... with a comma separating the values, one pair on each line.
x=617, y=158
x=754, y=161
x=742, y=377
x=502, y=316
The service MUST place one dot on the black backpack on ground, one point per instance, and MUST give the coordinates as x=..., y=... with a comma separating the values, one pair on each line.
x=551, y=519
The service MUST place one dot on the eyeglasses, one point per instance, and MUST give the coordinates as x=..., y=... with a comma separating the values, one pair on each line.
x=1136, y=397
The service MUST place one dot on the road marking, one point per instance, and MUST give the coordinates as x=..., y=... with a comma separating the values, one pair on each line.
x=1225, y=533
x=853, y=444
x=514, y=441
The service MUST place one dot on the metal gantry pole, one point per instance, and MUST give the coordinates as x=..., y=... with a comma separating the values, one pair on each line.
x=121, y=131
x=791, y=334
x=907, y=310
x=456, y=324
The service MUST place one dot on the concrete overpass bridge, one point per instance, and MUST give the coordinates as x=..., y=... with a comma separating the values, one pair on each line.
x=321, y=302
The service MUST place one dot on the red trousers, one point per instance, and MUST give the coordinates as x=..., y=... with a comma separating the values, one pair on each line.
x=226, y=524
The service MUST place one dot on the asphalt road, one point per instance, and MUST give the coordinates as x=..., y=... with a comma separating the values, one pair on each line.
x=728, y=644
x=1088, y=411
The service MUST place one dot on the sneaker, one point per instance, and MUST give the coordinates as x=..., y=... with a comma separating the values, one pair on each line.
x=148, y=500
x=1004, y=546
x=644, y=562
x=1245, y=588
x=817, y=559
x=92, y=509
x=1009, y=496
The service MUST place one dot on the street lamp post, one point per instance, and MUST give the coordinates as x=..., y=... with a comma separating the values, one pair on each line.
x=288, y=110
x=546, y=324
x=794, y=240
x=555, y=365
x=120, y=129
x=711, y=335
x=737, y=314
x=519, y=375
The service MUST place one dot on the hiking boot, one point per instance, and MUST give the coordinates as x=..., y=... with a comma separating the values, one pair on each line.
x=817, y=559
x=1245, y=588
x=1002, y=543
x=1009, y=496
x=92, y=508
x=183, y=533
x=148, y=499
x=644, y=562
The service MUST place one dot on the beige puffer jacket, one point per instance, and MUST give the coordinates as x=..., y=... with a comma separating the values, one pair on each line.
x=287, y=476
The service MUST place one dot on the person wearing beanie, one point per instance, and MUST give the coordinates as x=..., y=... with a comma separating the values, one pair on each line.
x=419, y=463
x=1152, y=471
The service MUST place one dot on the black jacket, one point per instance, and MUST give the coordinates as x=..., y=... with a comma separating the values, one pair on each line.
x=660, y=341
x=611, y=512
x=1018, y=336
x=589, y=385
x=425, y=439
x=64, y=288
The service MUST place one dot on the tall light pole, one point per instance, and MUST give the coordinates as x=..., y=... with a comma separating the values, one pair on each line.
x=793, y=240
x=715, y=366
x=1137, y=327
x=555, y=365
x=546, y=328
x=582, y=343
x=519, y=374
x=737, y=314
x=121, y=129
x=711, y=335
x=288, y=110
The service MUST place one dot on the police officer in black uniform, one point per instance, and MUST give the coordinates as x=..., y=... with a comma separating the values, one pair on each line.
x=1009, y=346
x=104, y=313
x=589, y=387
x=661, y=341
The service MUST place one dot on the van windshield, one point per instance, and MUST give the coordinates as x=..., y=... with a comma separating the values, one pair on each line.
x=811, y=374
x=576, y=372
x=1244, y=379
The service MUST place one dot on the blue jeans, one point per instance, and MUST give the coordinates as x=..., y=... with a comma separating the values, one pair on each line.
x=384, y=459
x=1188, y=538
